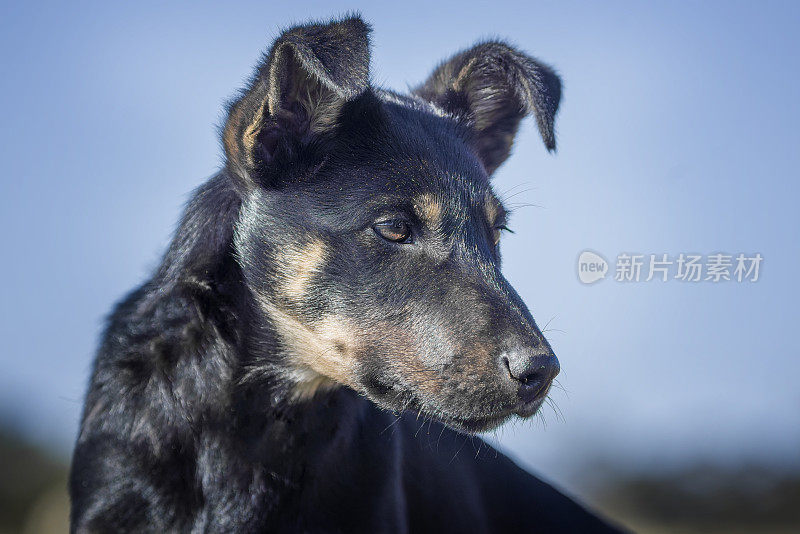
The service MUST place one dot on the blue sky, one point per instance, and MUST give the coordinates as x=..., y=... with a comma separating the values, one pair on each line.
x=678, y=133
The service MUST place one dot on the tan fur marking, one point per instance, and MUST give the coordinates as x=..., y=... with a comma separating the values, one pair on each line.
x=306, y=389
x=301, y=267
x=429, y=209
x=250, y=135
x=463, y=75
x=322, y=355
x=229, y=135
x=492, y=207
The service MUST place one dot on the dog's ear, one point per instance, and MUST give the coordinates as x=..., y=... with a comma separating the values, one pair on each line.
x=494, y=86
x=296, y=92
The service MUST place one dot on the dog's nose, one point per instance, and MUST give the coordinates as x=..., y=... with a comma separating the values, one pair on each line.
x=533, y=371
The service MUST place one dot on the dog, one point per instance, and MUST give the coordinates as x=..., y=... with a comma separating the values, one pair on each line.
x=329, y=324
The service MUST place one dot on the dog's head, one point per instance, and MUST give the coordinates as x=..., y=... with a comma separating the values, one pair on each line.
x=369, y=232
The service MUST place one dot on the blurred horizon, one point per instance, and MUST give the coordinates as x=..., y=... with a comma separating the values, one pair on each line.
x=677, y=134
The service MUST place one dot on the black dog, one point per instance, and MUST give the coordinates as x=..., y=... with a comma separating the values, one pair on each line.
x=342, y=266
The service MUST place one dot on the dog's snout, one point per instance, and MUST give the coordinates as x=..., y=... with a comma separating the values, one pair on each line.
x=532, y=371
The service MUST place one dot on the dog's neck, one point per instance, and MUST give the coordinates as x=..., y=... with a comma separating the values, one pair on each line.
x=259, y=404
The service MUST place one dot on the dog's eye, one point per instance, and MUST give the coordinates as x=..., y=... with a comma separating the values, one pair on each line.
x=396, y=231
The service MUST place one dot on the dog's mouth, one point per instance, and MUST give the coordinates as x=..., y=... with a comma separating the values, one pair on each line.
x=487, y=423
x=468, y=417
x=473, y=424
x=492, y=421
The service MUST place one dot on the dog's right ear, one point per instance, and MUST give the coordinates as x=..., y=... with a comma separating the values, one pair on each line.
x=296, y=93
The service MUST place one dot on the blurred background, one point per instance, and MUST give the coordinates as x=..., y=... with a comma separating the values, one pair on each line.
x=678, y=133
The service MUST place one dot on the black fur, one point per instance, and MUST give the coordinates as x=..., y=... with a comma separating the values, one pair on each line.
x=250, y=385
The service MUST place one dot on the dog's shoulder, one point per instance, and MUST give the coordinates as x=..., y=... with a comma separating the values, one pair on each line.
x=447, y=470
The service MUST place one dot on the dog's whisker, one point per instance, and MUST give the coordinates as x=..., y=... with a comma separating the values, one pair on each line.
x=556, y=383
x=519, y=205
x=528, y=184
x=544, y=329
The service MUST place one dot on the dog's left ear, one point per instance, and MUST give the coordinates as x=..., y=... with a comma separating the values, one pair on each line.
x=494, y=86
